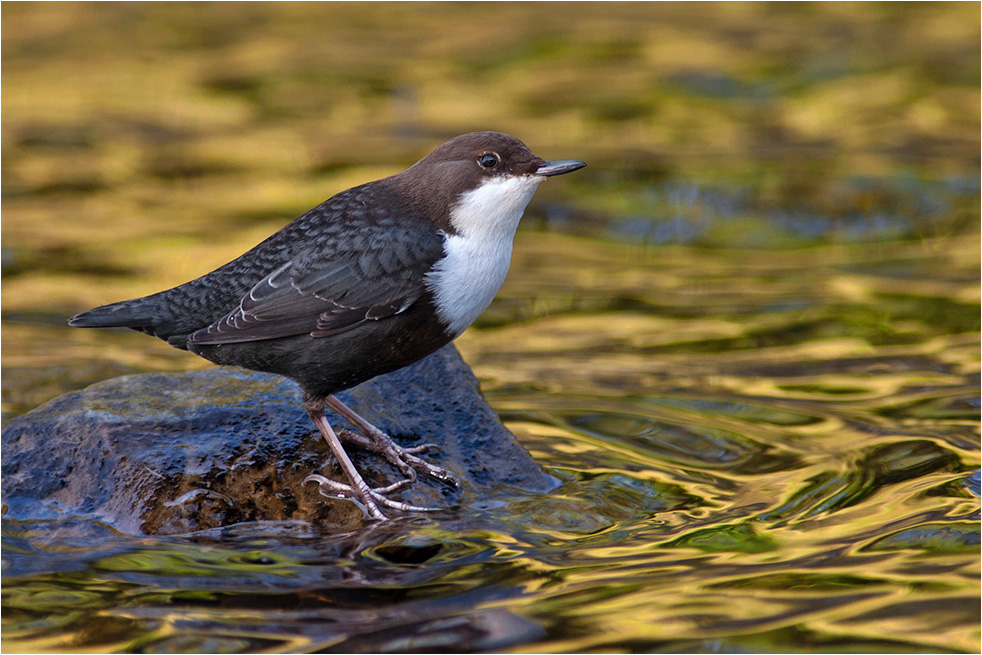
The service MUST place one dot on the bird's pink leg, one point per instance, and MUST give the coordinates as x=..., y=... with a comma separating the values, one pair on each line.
x=366, y=497
x=359, y=490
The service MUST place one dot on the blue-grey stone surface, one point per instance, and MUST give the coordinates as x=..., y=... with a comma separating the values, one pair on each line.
x=175, y=453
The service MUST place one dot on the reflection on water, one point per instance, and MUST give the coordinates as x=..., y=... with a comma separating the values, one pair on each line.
x=745, y=340
x=757, y=450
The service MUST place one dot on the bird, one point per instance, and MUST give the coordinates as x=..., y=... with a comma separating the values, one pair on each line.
x=369, y=281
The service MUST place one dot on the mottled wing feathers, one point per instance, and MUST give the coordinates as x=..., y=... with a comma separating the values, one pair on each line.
x=364, y=274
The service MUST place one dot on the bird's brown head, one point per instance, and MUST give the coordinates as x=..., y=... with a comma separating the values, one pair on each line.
x=492, y=166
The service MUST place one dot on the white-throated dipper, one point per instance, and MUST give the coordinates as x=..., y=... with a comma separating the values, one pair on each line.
x=369, y=281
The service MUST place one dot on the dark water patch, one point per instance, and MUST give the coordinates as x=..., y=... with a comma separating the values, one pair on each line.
x=590, y=503
x=246, y=87
x=856, y=323
x=740, y=538
x=686, y=444
x=947, y=314
x=874, y=470
x=825, y=390
x=963, y=487
x=59, y=259
x=817, y=582
x=739, y=409
x=712, y=84
x=52, y=136
x=180, y=168
x=68, y=186
x=933, y=539
x=858, y=366
x=798, y=639
x=941, y=612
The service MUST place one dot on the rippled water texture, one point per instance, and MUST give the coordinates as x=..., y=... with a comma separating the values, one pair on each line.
x=756, y=377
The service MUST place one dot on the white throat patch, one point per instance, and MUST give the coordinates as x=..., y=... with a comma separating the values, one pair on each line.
x=466, y=280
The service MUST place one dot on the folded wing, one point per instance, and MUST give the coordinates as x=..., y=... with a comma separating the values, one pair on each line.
x=368, y=276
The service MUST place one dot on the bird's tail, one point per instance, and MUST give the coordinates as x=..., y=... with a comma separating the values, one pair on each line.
x=128, y=313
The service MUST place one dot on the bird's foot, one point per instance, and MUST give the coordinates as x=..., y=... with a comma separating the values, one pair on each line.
x=373, y=439
x=404, y=459
x=376, y=496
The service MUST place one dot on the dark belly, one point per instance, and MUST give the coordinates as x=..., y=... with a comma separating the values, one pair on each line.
x=326, y=365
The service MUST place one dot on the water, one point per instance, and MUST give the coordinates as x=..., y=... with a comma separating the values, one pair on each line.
x=758, y=451
x=748, y=350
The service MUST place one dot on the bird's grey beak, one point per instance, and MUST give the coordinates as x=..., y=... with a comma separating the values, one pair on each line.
x=550, y=168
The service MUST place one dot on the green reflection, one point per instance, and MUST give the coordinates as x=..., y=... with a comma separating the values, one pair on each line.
x=742, y=538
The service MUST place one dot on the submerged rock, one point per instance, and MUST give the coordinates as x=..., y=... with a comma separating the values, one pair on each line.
x=175, y=453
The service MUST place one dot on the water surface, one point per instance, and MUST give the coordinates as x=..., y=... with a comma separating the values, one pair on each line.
x=745, y=339
x=757, y=450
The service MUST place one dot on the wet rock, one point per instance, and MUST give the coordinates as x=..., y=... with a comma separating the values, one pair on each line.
x=175, y=453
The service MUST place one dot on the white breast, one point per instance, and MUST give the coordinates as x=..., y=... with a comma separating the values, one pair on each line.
x=466, y=280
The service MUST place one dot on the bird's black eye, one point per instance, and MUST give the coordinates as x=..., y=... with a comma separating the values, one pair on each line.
x=488, y=160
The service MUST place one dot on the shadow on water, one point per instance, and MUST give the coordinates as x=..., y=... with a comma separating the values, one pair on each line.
x=745, y=339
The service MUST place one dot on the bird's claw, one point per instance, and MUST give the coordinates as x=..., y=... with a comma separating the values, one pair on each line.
x=404, y=459
x=376, y=495
x=423, y=448
x=346, y=490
